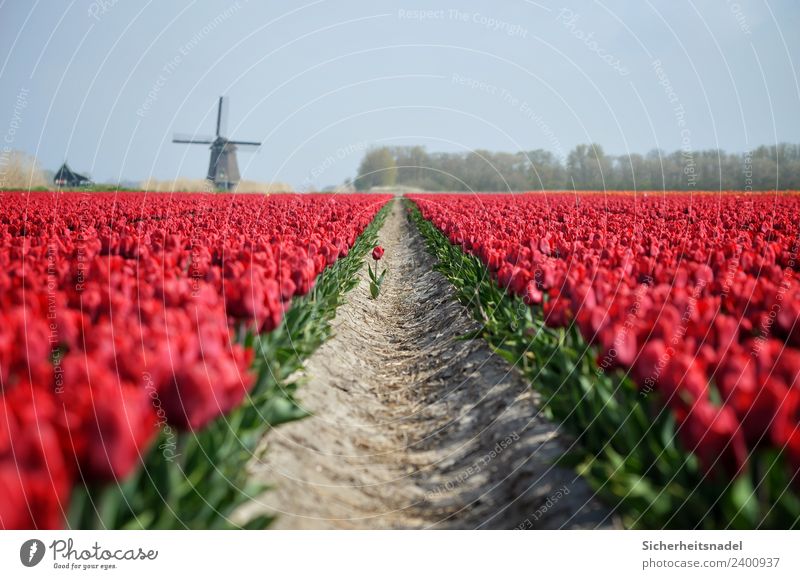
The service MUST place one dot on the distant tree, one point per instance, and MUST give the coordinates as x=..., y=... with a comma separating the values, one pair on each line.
x=630, y=172
x=378, y=169
x=765, y=169
x=544, y=170
x=586, y=167
x=654, y=169
x=413, y=165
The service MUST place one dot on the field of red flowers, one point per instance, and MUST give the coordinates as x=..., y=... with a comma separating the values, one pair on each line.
x=663, y=330
x=696, y=298
x=120, y=313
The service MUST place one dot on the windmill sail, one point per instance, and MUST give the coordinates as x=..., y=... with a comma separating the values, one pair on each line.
x=222, y=117
x=192, y=139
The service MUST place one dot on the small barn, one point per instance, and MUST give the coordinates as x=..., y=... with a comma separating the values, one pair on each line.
x=66, y=177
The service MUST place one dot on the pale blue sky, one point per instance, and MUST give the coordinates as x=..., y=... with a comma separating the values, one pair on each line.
x=105, y=84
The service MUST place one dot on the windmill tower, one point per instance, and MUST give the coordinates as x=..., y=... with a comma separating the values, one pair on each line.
x=223, y=170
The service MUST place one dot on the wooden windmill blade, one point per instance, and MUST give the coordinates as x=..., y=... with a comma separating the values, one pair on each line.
x=246, y=145
x=192, y=139
x=222, y=117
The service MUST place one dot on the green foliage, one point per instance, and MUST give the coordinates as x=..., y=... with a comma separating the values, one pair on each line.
x=377, y=169
x=375, y=281
x=627, y=446
x=196, y=480
x=589, y=167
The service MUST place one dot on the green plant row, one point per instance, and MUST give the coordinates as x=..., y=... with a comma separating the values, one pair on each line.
x=197, y=480
x=625, y=442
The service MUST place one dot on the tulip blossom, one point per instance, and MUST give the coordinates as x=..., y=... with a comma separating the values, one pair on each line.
x=694, y=296
x=125, y=308
x=375, y=279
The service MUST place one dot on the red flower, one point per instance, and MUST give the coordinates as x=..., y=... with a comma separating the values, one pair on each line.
x=532, y=295
x=112, y=312
x=674, y=288
x=715, y=436
x=107, y=424
x=786, y=427
x=377, y=252
x=35, y=481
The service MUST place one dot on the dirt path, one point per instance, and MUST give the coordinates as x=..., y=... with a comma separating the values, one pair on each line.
x=412, y=427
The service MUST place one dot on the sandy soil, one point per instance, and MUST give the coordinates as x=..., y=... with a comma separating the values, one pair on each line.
x=414, y=427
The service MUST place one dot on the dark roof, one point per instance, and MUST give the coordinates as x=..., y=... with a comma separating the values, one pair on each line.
x=68, y=176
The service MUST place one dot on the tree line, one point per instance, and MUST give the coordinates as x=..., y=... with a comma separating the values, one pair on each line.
x=586, y=167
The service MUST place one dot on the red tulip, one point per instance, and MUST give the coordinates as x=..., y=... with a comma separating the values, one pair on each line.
x=711, y=303
x=532, y=295
x=377, y=253
x=112, y=311
x=715, y=436
x=35, y=479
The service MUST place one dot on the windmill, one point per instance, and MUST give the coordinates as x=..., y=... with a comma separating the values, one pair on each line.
x=223, y=170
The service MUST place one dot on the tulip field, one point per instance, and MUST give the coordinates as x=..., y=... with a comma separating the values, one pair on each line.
x=147, y=342
x=128, y=321
x=662, y=329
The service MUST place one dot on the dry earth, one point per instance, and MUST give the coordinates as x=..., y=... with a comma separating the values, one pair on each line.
x=413, y=427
